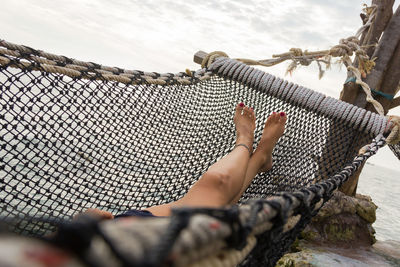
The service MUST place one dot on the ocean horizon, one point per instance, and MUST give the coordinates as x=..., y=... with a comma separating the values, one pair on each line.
x=382, y=184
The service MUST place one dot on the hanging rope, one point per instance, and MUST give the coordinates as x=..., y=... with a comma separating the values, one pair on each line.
x=394, y=136
x=345, y=49
x=367, y=90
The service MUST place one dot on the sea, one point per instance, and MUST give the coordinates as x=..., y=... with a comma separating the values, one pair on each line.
x=383, y=186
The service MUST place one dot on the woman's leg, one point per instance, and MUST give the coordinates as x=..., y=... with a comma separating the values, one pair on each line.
x=226, y=180
x=261, y=160
x=223, y=180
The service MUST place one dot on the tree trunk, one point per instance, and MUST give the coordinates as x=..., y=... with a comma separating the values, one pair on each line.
x=383, y=15
x=384, y=77
x=384, y=52
x=390, y=80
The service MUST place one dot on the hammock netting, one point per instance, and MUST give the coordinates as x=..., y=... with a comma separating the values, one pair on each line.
x=75, y=136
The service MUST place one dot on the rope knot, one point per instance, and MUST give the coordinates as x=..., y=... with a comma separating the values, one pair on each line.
x=211, y=57
x=361, y=53
x=352, y=40
x=394, y=136
x=345, y=47
x=297, y=52
x=305, y=61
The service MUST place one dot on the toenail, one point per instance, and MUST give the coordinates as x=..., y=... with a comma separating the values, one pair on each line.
x=241, y=104
x=274, y=112
x=252, y=108
x=282, y=114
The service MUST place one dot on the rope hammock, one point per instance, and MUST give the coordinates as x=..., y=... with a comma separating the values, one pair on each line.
x=77, y=135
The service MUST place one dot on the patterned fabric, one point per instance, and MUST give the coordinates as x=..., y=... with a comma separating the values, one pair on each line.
x=28, y=252
x=137, y=213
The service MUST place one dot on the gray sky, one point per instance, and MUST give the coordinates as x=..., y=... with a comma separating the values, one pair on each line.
x=163, y=36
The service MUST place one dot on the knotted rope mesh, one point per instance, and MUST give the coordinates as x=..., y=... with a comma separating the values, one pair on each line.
x=68, y=144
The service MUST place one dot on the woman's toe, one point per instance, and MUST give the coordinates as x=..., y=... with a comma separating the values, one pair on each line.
x=252, y=112
x=275, y=117
x=239, y=109
x=282, y=117
x=246, y=111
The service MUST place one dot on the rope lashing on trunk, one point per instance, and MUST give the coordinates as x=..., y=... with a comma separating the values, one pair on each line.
x=375, y=92
x=394, y=136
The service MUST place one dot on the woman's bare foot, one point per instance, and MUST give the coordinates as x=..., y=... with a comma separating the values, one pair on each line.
x=245, y=123
x=273, y=130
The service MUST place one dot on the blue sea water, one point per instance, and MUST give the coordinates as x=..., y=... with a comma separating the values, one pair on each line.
x=383, y=185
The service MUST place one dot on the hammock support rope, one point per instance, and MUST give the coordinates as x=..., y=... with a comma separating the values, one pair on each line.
x=79, y=135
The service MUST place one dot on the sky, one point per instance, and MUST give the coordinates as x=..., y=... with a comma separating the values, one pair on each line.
x=163, y=36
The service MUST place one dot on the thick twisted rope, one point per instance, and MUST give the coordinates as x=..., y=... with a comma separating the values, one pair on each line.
x=23, y=57
x=394, y=136
x=356, y=117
